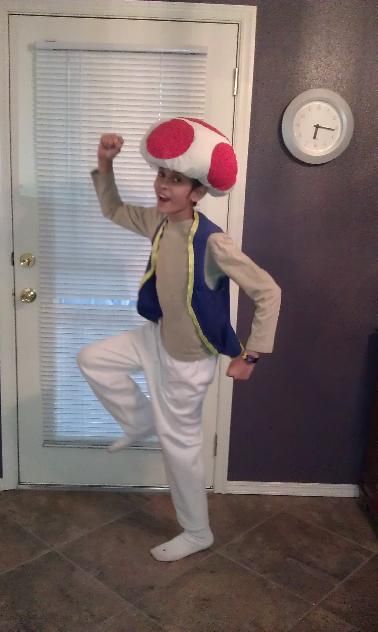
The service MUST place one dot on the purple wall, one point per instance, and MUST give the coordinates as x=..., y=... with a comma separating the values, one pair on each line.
x=304, y=415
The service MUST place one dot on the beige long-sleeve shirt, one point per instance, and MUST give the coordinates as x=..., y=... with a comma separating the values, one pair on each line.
x=223, y=257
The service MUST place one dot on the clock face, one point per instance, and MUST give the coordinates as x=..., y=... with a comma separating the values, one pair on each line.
x=317, y=126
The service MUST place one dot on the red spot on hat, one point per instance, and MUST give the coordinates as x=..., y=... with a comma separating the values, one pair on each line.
x=204, y=124
x=223, y=167
x=170, y=139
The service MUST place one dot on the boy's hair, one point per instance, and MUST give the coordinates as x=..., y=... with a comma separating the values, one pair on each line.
x=196, y=184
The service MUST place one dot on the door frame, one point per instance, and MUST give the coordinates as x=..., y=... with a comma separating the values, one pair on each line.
x=245, y=18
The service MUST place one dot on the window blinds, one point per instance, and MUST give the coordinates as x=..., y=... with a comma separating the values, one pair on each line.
x=89, y=268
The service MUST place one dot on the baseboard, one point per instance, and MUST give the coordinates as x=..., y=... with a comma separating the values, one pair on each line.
x=291, y=489
x=235, y=487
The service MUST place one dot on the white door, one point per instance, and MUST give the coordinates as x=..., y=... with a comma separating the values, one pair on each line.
x=84, y=289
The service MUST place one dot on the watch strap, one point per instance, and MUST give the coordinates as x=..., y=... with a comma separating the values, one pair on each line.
x=249, y=358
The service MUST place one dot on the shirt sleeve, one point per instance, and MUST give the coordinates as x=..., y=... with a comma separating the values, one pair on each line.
x=139, y=219
x=256, y=283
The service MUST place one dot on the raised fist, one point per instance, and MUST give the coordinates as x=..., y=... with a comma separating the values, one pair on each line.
x=109, y=146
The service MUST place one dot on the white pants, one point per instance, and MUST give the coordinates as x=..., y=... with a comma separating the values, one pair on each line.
x=177, y=391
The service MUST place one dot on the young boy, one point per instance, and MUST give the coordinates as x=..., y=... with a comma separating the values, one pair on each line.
x=184, y=296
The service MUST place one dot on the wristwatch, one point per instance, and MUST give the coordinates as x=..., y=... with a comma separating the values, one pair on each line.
x=250, y=359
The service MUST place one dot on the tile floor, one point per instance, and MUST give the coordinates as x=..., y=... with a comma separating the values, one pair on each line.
x=78, y=562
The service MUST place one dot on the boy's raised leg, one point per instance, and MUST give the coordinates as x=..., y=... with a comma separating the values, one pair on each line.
x=105, y=365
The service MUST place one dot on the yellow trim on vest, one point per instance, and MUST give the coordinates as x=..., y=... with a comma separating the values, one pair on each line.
x=189, y=294
x=154, y=253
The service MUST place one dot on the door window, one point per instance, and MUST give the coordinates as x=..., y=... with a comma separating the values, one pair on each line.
x=89, y=282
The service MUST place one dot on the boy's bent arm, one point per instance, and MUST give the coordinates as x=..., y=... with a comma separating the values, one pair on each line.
x=256, y=283
x=138, y=219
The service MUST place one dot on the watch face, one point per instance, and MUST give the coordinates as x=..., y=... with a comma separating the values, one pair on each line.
x=317, y=127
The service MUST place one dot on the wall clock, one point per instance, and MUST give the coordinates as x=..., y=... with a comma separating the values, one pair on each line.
x=317, y=126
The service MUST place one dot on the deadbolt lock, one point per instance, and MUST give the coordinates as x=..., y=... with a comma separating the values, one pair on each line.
x=27, y=260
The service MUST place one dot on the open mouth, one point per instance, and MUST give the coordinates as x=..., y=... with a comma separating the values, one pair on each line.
x=163, y=198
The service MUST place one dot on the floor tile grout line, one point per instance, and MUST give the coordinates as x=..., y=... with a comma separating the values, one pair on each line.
x=104, y=623
x=93, y=576
x=333, y=533
x=273, y=583
x=282, y=511
x=315, y=605
x=136, y=507
x=90, y=531
x=312, y=609
x=25, y=563
x=129, y=607
x=115, y=592
x=128, y=604
x=211, y=551
x=347, y=577
x=205, y=558
x=241, y=534
x=137, y=604
x=267, y=579
x=29, y=532
x=336, y=587
x=216, y=551
x=90, y=575
x=53, y=546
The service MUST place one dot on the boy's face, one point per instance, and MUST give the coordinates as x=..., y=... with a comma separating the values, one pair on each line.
x=175, y=194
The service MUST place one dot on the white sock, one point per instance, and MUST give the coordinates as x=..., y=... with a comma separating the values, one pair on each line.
x=120, y=444
x=181, y=546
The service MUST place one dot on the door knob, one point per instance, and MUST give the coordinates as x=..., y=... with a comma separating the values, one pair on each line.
x=28, y=295
x=27, y=260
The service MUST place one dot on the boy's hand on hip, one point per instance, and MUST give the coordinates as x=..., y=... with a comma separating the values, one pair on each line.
x=239, y=369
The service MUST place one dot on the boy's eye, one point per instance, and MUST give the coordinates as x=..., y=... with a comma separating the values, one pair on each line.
x=176, y=179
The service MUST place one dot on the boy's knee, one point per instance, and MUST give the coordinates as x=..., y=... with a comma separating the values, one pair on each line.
x=86, y=357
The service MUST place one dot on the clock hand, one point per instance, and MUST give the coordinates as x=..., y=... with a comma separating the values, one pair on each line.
x=316, y=130
x=330, y=128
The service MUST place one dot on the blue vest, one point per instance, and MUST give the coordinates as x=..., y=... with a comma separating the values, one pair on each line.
x=208, y=308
